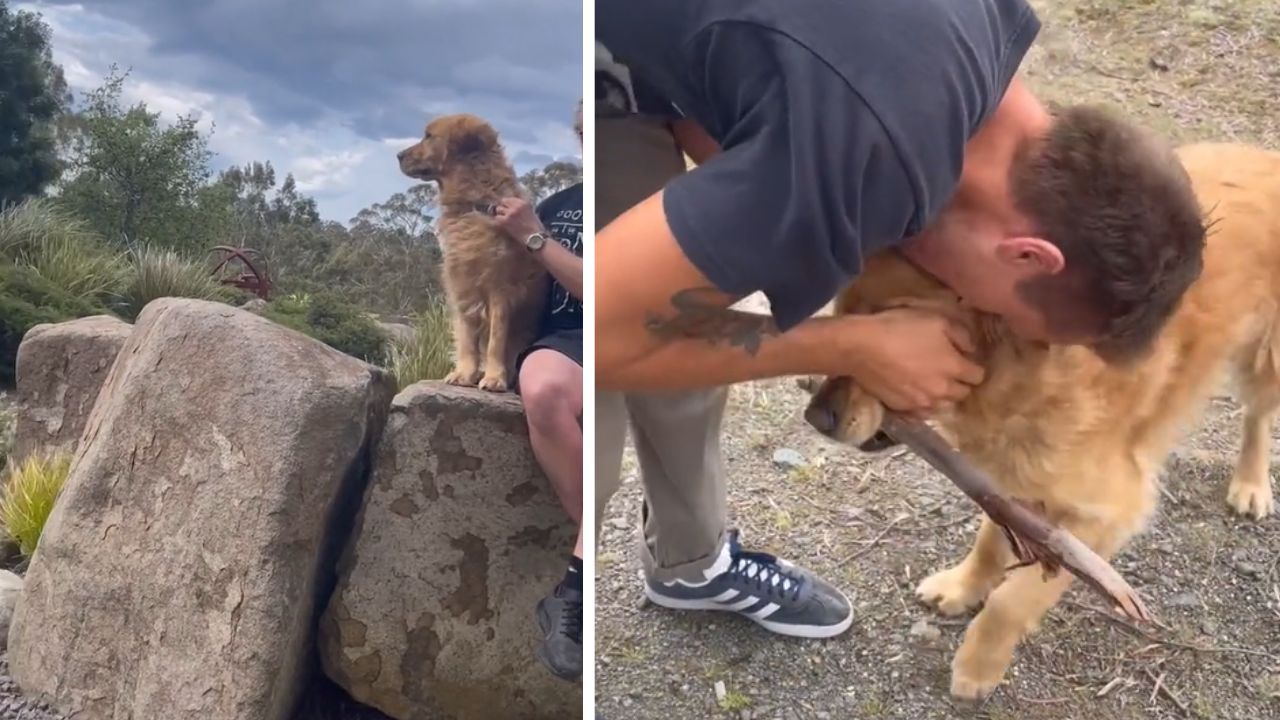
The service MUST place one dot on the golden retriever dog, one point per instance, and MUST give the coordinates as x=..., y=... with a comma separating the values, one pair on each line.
x=495, y=289
x=1059, y=426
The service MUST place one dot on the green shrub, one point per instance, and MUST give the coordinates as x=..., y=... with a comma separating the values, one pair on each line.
x=61, y=249
x=27, y=300
x=8, y=425
x=334, y=322
x=30, y=491
x=156, y=273
x=428, y=356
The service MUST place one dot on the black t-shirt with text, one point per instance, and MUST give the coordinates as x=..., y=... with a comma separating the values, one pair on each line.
x=842, y=124
x=561, y=214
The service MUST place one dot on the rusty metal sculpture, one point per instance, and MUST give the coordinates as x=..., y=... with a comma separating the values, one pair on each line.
x=249, y=278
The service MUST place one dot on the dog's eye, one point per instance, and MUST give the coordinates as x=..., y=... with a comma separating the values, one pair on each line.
x=426, y=136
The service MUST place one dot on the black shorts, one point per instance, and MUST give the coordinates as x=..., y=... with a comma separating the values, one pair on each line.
x=565, y=342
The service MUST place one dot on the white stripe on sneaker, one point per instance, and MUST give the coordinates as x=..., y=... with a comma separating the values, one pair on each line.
x=764, y=612
x=726, y=596
x=743, y=604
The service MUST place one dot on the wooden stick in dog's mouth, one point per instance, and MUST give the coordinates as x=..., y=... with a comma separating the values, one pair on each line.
x=1034, y=539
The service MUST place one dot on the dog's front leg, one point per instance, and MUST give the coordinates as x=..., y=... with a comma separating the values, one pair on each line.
x=466, y=347
x=1013, y=610
x=965, y=586
x=495, y=361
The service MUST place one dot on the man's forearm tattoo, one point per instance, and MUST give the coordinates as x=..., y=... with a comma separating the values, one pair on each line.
x=699, y=315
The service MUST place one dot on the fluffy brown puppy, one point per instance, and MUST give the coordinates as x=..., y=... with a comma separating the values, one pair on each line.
x=495, y=289
x=1087, y=439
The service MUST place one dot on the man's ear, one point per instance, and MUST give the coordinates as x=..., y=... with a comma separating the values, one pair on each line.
x=1032, y=255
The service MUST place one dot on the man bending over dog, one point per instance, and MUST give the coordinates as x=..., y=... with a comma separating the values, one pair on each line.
x=825, y=131
x=549, y=380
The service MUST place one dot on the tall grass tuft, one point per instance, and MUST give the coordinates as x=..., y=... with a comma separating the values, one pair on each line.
x=61, y=249
x=429, y=356
x=156, y=273
x=30, y=490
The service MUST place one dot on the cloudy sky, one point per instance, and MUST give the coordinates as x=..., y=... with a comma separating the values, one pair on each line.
x=330, y=89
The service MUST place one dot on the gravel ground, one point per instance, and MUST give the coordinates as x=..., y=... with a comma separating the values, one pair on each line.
x=13, y=706
x=876, y=525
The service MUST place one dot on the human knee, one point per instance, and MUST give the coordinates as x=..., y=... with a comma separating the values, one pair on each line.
x=546, y=399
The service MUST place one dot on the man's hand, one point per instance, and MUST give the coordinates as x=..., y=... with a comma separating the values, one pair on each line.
x=516, y=218
x=911, y=360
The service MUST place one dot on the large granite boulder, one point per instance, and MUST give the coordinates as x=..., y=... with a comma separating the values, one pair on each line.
x=10, y=591
x=60, y=369
x=459, y=537
x=181, y=572
x=399, y=333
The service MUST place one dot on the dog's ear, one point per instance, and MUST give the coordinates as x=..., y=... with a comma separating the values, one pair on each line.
x=474, y=140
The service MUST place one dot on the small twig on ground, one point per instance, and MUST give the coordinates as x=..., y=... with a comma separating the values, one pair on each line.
x=1162, y=688
x=1114, y=75
x=1109, y=687
x=1044, y=701
x=874, y=541
x=1156, y=690
x=1171, y=643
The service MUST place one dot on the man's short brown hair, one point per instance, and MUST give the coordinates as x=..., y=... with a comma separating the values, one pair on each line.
x=1119, y=205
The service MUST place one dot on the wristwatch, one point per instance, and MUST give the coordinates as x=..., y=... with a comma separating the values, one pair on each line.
x=534, y=242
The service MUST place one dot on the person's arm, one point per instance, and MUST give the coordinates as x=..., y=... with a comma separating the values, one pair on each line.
x=517, y=217
x=694, y=141
x=563, y=265
x=662, y=325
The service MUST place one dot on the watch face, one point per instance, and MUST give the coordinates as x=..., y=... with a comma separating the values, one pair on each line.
x=536, y=241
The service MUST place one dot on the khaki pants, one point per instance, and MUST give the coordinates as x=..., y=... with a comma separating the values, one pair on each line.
x=677, y=435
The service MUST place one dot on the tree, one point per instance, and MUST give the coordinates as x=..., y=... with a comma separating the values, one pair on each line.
x=134, y=178
x=33, y=96
x=551, y=179
x=252, y=214
x=408, y=213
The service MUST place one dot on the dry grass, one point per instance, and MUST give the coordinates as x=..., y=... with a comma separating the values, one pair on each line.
x=30, y=490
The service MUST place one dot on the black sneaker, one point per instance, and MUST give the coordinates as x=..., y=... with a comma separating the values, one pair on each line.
x=779, y=596
x=560, y=618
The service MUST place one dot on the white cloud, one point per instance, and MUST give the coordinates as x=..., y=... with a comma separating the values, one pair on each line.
x=326, y=172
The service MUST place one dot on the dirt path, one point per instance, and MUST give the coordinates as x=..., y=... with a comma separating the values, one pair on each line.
x=877, y=525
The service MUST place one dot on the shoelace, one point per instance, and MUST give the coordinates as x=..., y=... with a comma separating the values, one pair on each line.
x=763, y=571
x=571, y=614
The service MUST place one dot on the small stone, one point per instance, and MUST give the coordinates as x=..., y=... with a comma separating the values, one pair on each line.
x=1184, y=599
x=788, y=458
x=1249, y=569
x=925, y=630
x=619, y=523
x=1208, y=626
x=720, y=691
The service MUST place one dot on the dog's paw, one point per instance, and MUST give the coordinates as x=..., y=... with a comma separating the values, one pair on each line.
x=972, y=689
x=461, y=377
x=952, y=592
x=1251, y=498
x=493, y=383
x=976, y=671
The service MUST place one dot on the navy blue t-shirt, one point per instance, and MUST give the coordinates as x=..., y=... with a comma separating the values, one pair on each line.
x=561, y=214
x=842, y=124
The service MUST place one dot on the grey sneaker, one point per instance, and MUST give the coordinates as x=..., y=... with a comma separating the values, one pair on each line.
x=560, y=618
x=779, y=596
